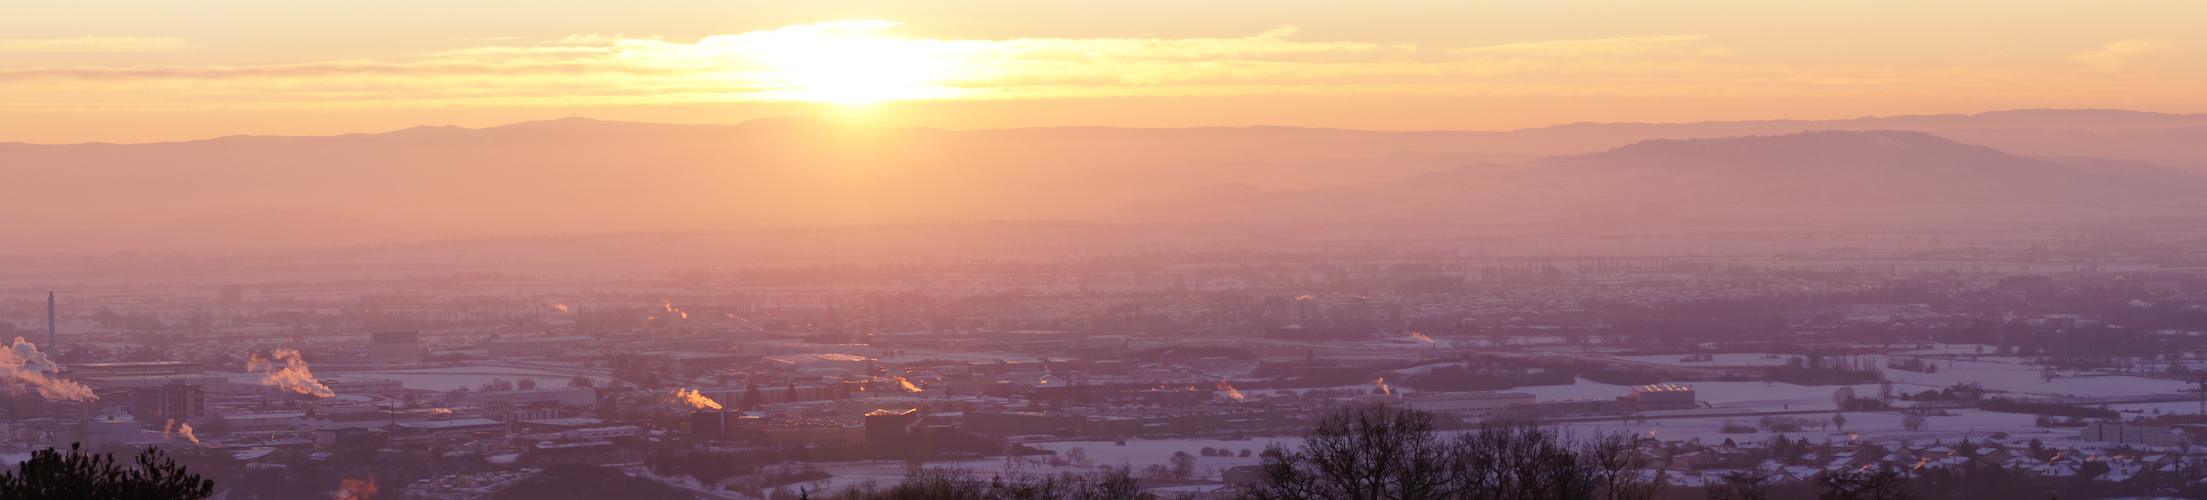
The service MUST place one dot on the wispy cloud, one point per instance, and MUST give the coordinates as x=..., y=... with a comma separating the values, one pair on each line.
x=1620, y=47
x=91, y=44
x=852, y=61
x=2114, y=55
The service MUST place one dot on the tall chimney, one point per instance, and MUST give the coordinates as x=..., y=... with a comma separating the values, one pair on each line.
x=50, y=322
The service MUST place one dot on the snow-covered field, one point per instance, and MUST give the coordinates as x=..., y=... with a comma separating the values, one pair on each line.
x=1758, y=396
x=1716, y=360
x=1875, y=426
x=2011, y=375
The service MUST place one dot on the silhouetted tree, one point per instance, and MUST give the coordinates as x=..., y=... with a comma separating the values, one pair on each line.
x=1381, y=452
x=1750, y=484
x=1110, y=483
x=1183, y=465
x=1881, y=484
x=50, y=474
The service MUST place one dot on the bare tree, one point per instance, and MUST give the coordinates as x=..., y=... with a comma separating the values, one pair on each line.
x=1750, y=484
x=1183, y=465
x=1363, y=452
x=1622, y=469
x=1379, y=452
x=1882, y=484
x=1912, y=421
x=1522, y=462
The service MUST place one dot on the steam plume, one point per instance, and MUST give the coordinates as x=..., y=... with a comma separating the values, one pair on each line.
x=22, y=361
x=1230, y=392
x=174, y=430
x=294, y=375
x=695, y=400
x=559, y=307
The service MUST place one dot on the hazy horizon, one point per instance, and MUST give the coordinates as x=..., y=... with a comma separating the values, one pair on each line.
x=1135, y=250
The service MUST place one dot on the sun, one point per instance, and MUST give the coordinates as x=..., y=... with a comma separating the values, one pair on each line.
x=847, y=62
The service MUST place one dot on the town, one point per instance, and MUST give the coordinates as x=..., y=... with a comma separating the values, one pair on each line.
x=1974, y=370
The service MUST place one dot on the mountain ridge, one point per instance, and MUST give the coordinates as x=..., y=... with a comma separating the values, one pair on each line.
x=1826, y=171
x=585, y=175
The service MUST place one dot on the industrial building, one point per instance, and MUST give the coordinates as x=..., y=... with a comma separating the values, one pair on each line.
x=1663, y=397
x=177, y=401
x=821, y=361
x=1464, y=403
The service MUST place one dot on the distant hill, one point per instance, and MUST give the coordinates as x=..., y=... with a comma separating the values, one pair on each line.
x=1832, y=176
x=577, y=175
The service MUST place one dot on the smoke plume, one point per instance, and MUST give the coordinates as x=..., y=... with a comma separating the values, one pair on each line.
x=23, y=362
x=173, y=430
x=293, y=376
x=695, y=400
x=1230, y=391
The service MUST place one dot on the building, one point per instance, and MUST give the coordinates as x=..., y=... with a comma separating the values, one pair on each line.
x=2149, y=435
x=432, y=431
x=142, y=374
x=555, y=425
x=807, y=362
x=1664, y=397
x=527, y=413
x=1464, y=402
x=716, y=423
x=885, y=426
x=361, y=385
x=177, y=401
x=135, y=369
x=565, y=396
x=778, y=348
x=394, y=346
x=1583, y=406
x=608, y=432
x=803, y=433
x=351, y=437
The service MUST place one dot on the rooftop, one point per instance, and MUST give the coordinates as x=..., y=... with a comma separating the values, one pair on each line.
x=452, y=424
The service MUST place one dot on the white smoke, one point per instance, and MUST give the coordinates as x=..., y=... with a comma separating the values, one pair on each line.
x=23, y=362
x=294, y=375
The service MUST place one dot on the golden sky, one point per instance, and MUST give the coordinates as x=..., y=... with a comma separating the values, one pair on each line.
x=134, y=71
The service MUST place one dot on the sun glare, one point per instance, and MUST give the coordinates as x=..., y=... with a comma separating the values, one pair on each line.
x=848, y=62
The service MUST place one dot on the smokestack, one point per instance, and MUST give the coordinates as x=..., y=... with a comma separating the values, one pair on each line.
x=49, y=321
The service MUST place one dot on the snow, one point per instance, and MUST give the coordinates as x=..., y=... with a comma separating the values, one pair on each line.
x=2009, y=374
x=1717, y=360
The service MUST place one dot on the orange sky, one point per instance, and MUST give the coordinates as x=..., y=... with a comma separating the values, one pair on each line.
x=134, y=71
